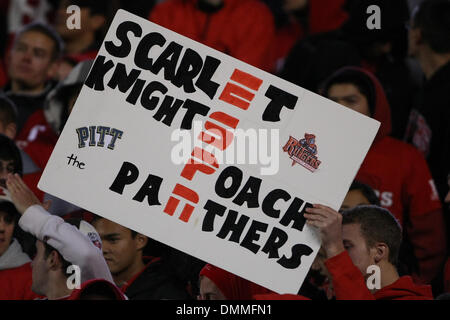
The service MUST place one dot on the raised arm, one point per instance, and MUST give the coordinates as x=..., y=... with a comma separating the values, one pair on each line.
x=73, y=245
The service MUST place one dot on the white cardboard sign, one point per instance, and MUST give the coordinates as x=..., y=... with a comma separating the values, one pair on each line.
x=115, y=154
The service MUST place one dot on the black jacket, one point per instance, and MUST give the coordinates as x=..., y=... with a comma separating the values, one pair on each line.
x=155, y=282
x=429, y=127
x=27, y=104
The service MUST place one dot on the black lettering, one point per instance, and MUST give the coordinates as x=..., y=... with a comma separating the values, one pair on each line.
x=276, y=240
x=122, y=34
x=97, y=74
x=127, y=175
x=236, y=176
x=121, y=79
x=149, y=189
x=279, y=99
x=270, y=200
x=168, y=60
x=293, y=214
x=235, y=227
x=141, y=58
x=192, y=108
x=298, y=251
x=249, y=193
x=212, y=209
x=204, y=81
x=151, y=103
x=136, y=91
x=252, y=235
x=189, y=68
x=168, y=110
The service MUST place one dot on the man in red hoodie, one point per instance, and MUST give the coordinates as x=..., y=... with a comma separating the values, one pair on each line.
x=362, y=247
x=398, y=173
x=243, y=29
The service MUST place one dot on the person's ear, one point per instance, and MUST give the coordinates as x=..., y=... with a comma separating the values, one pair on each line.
x=53, y=261
x=141, y=241
x=381, y=252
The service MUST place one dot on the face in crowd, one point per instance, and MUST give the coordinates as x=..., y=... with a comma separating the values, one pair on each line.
x=122, y=249
x=6, y=166
x=353, y=240
x=32, y=61
x=209, y=290
x=6, y=231
x=354, y=198
x=348, y=95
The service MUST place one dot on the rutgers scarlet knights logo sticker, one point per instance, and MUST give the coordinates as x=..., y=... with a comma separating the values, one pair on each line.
x=303, y=152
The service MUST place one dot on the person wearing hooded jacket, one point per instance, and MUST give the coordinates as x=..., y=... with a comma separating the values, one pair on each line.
x=362, y=246
x=381, y=51
x=61, y=244
x=15, y=264
x=399, y=174
x=243, y=29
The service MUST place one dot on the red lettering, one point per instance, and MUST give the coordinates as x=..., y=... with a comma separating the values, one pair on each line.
x=205, y=156
x=193, y=166
x=246, y=79
x=232, y=94
x=221, y=143
x=226, y=119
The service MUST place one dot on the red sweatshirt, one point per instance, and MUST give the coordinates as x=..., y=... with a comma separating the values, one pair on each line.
x=15, y=283
x=401, y=177
x=349, y=283
x=37, y=139
x=243, y=29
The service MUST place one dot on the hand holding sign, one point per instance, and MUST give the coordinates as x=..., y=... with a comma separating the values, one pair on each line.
x=329, y=223
x=151, y=82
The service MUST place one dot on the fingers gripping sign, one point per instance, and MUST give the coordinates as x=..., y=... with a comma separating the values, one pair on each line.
x=329, y=224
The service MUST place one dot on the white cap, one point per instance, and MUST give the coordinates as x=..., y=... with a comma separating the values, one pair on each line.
x=89, y=231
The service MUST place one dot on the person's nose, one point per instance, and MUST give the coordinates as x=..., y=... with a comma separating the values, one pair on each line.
x=26, y=56
x=105, y=248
